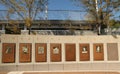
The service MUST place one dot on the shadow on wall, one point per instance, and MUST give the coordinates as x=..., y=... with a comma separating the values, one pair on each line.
x=63, y=32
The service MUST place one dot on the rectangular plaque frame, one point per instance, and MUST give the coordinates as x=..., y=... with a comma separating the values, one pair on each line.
x=25, y=52
x=98, y=52
x=70, y=52
x=40, y=52
x=8, y=52
x=84, y=52
x=55, y=52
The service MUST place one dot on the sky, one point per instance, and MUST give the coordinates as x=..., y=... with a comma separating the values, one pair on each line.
x=62, y=5
x=63, y=15
x=58, y=5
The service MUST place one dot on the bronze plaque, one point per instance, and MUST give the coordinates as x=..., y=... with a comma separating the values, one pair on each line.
x=55, y=52
x=8, y=52
x=84, y=52
x=25, y=52
x=98, y=52
x=40, y=52
x=112, y=51
x=70, y=52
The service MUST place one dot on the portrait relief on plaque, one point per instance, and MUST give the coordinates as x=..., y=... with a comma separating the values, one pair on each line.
x=8, y=53
x=98, y=49
x=40, y=50
x=25, y=52
x=25, y=49
x=84, y=50
x=8, y=50
x=55, y=50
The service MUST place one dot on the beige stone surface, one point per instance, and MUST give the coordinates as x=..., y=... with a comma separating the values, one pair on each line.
x=25, y=68
x=41, y=67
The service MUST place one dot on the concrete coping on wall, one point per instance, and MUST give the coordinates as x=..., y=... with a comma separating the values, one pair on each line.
x=60, y=38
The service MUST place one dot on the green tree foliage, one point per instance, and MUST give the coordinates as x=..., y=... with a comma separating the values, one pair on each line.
x=26, y=9
x=114, y=24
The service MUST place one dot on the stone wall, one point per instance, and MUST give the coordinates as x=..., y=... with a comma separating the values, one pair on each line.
x=107, y=58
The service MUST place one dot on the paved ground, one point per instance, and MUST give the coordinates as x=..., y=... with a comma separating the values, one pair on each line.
x=3, y=72
x=72, y=73
x=59, y=73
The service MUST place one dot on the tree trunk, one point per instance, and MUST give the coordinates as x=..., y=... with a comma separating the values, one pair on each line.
x=109, y=30
x=99, y=29
x=29, y=31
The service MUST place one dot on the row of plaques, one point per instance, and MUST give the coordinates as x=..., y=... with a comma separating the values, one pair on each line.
x=25, y=52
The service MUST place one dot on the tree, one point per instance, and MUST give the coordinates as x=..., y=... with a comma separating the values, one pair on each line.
x=26, y=9
x=114, y=24
x=100, y=10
